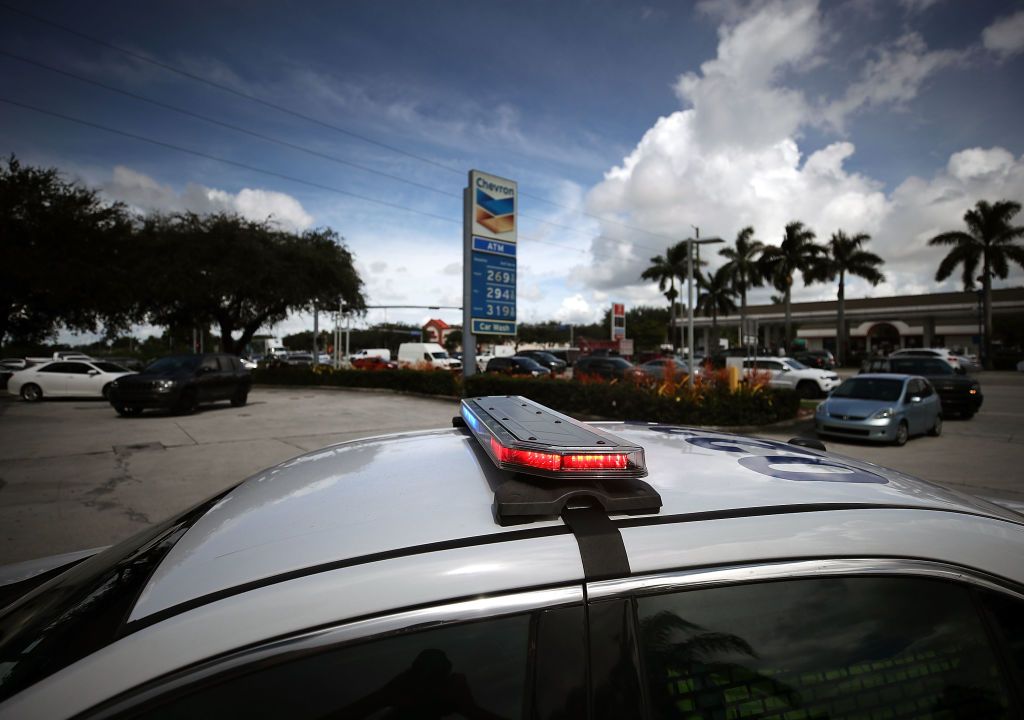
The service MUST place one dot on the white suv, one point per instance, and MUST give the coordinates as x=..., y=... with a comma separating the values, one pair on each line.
x=791, y=374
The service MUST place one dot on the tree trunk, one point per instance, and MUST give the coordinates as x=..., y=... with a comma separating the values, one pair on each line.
x=672, y=314
x=714, y=331
x=743, y=316
x=787, y=339
x=986, y=284
x=841, y=323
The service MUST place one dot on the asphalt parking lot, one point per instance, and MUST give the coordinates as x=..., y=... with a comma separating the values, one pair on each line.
x=74, y=475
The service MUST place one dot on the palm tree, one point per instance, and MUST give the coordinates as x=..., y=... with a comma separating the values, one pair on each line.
x=779, y=263
x=665, y=269
x=714, y=295
x=844, y=256
x=989, y=238
x=743, y=269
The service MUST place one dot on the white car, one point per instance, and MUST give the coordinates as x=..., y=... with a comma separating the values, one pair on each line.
x=941, y=353
x=791, y=374
x=522, y=564
x=65, y=378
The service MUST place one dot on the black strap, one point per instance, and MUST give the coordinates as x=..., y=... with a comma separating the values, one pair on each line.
x=601, y=547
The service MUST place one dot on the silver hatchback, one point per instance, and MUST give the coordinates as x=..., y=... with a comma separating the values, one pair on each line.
x=882, y=408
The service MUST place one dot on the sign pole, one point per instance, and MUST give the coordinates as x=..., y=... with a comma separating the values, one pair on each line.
x=468, y=338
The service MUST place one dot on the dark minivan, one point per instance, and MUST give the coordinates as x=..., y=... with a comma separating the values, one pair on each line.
x=181, y=383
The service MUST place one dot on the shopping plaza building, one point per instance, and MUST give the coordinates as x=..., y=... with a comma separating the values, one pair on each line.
x=881, y=325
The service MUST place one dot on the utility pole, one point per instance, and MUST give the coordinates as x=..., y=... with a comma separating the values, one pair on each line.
x=690, y=242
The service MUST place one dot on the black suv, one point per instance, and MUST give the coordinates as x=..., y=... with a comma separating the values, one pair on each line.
x=959, y=392
x=516, y=365
x=543, y=357
x=610, y=368
x=181, y=383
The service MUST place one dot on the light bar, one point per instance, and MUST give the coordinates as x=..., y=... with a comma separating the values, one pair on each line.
x=519, y=434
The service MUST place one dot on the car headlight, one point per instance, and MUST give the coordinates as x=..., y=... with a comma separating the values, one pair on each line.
x=974, y=389
x=165, y=385
x=882, y=414
x=821, y=409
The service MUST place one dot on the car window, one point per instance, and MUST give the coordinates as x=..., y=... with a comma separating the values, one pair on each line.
x=57, y=367
x=473, y=670
x=77, y=368
x=209, y=363
x=926, y=389
x=110, y=367
x=821, y=648
x=795, y=365
x=1008, y=617
x=870, y=389
x=174, y=363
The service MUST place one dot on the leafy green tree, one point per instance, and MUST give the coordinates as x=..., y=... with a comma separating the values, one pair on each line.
x=239, y=274
x=64, y=257
x=844, y=256
x=989, y=240
x=665, y=270
x=715, y=295
x=779, y=263
x=743, y=269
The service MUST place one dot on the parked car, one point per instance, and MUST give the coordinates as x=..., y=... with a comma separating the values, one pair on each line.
x=181, y=383
x=941, y=353
x=789, y=374
x=523, y=564
x=821, y=359
x=516, y=365
x=373, y=362
x=658, y=368
x=546, y=359
x=960, y=393
x=15, y=364
x=370, y=352
x=881, y=408
x=300, y=359
x=65, y=378
x=609, y=367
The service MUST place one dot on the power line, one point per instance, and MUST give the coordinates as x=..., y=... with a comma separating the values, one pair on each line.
x=294, y=113
x=252, y=168
x=262, y=136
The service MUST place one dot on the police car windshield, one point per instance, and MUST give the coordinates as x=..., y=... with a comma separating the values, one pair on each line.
x=795, y=364
x=174, y=363
x=870, y=389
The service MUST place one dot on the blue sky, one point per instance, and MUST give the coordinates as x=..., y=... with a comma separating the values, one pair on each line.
x=625, y=124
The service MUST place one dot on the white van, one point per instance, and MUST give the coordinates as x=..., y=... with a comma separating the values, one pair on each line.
x=382, y=353
x=413, y=354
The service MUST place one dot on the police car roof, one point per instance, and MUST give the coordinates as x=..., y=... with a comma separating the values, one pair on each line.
x=434, y=490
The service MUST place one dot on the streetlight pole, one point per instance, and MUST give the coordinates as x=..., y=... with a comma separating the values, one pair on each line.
x=690, y=242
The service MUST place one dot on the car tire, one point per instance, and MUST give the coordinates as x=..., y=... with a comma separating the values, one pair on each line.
x=807, y=389
x=240, y=398
x=105, y=392
x=188, y=403
x=937, y=427
x=902, y=434
x=31, y=392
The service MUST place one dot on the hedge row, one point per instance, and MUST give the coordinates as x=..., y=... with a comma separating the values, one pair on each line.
x=710, y=404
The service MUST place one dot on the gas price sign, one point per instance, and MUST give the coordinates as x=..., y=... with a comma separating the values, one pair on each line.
x=491, y=236
x=493, y=289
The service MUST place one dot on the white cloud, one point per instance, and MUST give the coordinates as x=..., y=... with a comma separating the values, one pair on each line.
x=894, y=77
x=738, y=97
x=144, y=194
x=1006, y=35
x=731, y=160
x=575, y=310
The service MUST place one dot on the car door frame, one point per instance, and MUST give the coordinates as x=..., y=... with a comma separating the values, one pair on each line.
x=320, y=639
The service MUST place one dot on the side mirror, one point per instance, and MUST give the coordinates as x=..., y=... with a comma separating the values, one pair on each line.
x=94, y=372
x=915, y=398
x=786, y=368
